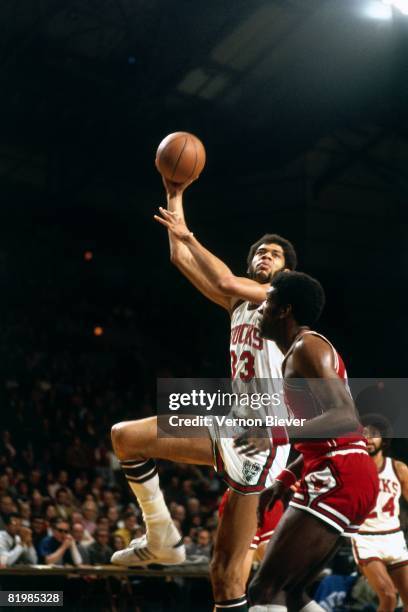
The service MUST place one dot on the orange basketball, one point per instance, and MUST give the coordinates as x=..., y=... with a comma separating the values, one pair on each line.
x=180, y=157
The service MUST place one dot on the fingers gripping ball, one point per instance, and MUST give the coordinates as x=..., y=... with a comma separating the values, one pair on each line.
x=180, y=157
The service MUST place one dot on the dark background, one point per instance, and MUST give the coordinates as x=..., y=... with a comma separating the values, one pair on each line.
x=303, y=109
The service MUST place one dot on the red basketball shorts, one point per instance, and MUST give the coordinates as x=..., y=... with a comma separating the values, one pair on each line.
x=340, y=488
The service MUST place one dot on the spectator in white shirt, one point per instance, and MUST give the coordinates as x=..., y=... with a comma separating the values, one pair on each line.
x=16, y=543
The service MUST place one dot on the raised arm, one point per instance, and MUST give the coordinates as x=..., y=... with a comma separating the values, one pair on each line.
x=206, y=271
x=180, y=254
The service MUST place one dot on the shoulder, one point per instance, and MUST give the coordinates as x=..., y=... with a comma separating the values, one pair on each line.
x=311, y=348
x=49, y=542
x=236, y=306
x=401, y=470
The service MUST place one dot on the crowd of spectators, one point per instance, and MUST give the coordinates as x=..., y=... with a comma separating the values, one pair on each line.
x=63, y=497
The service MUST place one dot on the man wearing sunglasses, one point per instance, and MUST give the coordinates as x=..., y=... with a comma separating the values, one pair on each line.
x=60, y=548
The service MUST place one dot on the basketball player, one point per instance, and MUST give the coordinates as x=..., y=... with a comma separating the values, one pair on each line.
x=338, y=481
x=379, y=548
x=136, y=443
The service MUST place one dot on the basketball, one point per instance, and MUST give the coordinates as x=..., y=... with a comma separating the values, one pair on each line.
x=180, y=157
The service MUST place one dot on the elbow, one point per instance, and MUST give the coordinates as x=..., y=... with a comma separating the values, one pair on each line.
x=227, y=285
x=174, y=259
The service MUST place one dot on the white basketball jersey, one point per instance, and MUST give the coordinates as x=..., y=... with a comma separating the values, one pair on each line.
x=385, y=516
x=252, y=357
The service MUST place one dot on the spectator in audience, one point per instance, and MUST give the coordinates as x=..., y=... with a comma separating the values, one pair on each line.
x=4, y=484
x=16, y=543
x=202, y=546
x=61, y=481
x=100, y=551
x=102, y=522
x=117, y=542
x=63, y=503
x=24, y=508
x=80, y=487
x=130, y=529
x=37, y=501
x=50, y=512
x=60, y=548
x=39, y=530
x=90, y=512
x=7, y=506
x=78, y=455
x=78, y=517
x=36, y=481
x=113, y=518
x=81, y=542
x=179, y=515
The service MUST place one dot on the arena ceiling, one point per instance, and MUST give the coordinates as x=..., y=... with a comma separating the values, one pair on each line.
x=89, y=87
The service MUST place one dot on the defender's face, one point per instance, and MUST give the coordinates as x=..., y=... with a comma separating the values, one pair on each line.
x=374, y=440
x=267, y=261
x=269, y=315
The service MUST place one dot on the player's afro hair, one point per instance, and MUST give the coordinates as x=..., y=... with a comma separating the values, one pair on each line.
x=304, y=293
x=288, y=249
x=381, y=424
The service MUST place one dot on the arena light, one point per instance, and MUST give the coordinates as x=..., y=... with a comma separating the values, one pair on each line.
x=401, y=5
x=378, y=10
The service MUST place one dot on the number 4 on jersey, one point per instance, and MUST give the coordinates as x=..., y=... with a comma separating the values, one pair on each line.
x=388, y=507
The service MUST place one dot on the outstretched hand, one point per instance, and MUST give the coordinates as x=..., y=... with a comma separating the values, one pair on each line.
x=174, y=223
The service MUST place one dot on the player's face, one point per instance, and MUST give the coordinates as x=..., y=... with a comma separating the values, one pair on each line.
x=267, y=261
x=374, y=440
x=269, y=315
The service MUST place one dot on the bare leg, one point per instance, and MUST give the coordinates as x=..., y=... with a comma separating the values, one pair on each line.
x=380, y=581
x=138, y=440
x=399, y=576
x=235, y=532
x=294, y=555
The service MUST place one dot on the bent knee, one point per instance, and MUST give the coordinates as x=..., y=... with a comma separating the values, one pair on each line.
x=118, y=436
x=125, y=438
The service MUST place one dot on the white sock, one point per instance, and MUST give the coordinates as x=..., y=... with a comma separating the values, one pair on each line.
x=143, y=479
x=312, y=606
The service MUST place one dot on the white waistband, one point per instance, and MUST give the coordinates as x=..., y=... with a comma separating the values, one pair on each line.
x=347, y=451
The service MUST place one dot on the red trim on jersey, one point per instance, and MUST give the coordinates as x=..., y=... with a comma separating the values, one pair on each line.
x=382, y=468
x=394, y=470
x=394, y=566
x=374, y=533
